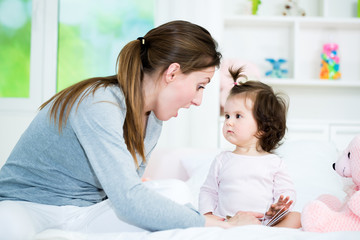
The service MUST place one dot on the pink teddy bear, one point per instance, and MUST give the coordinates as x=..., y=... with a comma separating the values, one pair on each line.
x=328, y=213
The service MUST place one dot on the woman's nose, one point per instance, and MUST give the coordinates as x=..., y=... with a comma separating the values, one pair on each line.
x=198, y=99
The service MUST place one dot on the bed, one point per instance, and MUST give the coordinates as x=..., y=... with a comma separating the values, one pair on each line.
x=309, y=163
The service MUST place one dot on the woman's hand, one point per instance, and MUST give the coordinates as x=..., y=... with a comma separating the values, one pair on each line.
x=211, y=215
x=282, y=205
x=240, y=219
x=245, y=218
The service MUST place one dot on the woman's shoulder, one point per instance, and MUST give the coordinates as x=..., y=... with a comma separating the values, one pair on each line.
x=111, y=95
x=112, y=92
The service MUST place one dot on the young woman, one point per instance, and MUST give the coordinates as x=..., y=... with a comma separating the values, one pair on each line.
x=78, y=165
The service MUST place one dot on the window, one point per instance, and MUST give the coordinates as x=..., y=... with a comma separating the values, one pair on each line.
x=91, y=35
x=47, y=45
x=15, y=34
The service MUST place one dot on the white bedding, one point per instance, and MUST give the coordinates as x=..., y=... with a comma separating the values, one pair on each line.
x=241, y=233
x=309, y=163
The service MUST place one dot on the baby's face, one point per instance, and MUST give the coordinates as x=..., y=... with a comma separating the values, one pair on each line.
x=240, y=127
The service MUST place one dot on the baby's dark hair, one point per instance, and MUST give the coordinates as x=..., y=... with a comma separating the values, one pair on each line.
x=269, y=109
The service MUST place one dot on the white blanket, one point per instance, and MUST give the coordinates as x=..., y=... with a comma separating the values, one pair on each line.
x=241, y=233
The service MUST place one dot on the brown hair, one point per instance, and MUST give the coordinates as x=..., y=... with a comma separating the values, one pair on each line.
x=269, y=109
x=181, y=42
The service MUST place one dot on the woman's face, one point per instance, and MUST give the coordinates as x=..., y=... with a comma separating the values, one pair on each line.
x=181, y=91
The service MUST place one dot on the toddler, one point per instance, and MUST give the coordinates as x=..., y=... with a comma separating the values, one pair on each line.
x=252, y=177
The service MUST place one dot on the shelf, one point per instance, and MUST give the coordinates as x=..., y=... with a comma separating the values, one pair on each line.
x=257, y=20
x=283, y=21
x=313, y=8
x=299, y=40
x=312, y=83
x=318, y=22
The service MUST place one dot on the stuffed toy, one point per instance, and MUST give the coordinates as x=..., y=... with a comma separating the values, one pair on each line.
x=277, y=71
x=328, y=213
x=291, y=8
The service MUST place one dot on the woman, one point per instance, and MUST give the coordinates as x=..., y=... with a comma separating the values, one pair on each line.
x=91, y=141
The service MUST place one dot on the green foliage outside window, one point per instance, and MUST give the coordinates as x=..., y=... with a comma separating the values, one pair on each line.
x=92, y=33
x=15, y=34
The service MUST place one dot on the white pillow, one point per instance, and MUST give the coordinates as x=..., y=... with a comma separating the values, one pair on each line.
x=174, y=189
x=198, y=159
x=310, y=166
x=197, y=165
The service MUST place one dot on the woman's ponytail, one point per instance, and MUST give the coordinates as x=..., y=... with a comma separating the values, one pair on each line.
x=130, y=76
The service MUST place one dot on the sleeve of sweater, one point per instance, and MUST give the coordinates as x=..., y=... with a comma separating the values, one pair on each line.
x=208, y=197
x=98, y=124
x=283, y=184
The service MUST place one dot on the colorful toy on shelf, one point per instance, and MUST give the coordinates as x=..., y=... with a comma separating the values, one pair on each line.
x=330, y=62
x=291, y=8
x=255, y=6
x=276, y=72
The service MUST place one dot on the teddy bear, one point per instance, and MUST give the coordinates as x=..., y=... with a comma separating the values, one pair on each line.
x=328, y=213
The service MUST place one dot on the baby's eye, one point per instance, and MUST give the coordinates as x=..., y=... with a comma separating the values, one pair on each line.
x=349, y=155
x=238, y=116
x=227, y=116
x=201, y=87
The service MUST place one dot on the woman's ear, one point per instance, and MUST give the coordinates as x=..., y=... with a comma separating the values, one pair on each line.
x=171, y=72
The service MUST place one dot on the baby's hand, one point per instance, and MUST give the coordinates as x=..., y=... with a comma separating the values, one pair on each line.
x=283, y=204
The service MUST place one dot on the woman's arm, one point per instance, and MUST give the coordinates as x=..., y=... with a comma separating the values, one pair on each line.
x=240, y=219
x=98, y=126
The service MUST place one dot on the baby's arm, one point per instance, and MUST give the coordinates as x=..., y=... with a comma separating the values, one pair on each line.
x=283, y=185
x=208, y=196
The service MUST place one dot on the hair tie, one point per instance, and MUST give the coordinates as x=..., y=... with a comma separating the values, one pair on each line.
x=142, y=40
x=236, y=83
x=143, y=52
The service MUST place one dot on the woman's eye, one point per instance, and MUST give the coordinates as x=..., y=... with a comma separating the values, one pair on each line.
x=227, y=116
x=349, y=155
x=238, y=116
x=201, y=87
